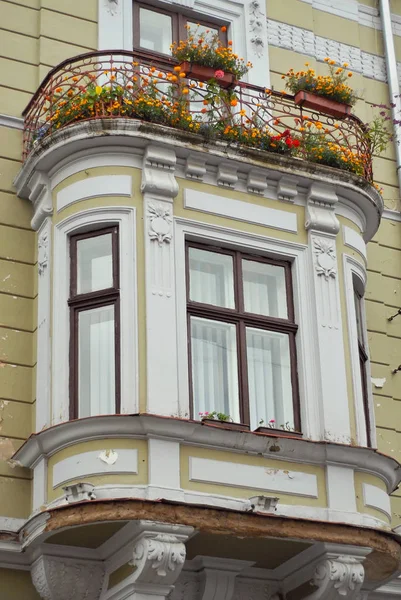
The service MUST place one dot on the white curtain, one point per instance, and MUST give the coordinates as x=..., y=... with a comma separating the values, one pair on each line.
x=96, y=356
x=211, y=278
x=214, y=367
x=269, y=378
x=264, y=289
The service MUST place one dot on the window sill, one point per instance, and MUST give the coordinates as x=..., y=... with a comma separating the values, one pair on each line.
x=278, y=432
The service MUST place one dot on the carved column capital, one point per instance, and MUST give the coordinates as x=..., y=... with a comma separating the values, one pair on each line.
x=320, y=206
x=67, y=579
x=338, y=578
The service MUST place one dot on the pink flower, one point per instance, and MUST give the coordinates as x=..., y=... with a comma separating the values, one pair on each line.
x=272, y=421
x=219, y=74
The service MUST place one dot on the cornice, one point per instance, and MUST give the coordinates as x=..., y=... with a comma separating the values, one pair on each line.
x=49, y=441
x=251, y=171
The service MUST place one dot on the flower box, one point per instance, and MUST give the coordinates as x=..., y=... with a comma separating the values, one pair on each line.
x=202, y=73
x=281, y=432
x=226, y=424
x=322, y=104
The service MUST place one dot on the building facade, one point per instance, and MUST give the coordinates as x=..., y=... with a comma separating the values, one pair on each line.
x=152, y=276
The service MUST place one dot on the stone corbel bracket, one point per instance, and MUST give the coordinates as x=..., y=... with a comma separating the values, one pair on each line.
x=321, y=202
x=338, y=577
x=58, y=578
x=158, y=172
x=41, y=198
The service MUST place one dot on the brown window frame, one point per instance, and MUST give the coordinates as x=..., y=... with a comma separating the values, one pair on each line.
x=363, y=362
x=179, y=20
x=242, y=319
x=81, y=302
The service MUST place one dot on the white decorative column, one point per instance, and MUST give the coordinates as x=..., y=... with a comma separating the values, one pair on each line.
x=159, y=188
x=43, y=364
x=158, y=557
x=323, y=226
x=58, y=578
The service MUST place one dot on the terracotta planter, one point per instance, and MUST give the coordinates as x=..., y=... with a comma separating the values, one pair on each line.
x=281, y=432
x=322, y=104
x=226, y=424
x=202, y=73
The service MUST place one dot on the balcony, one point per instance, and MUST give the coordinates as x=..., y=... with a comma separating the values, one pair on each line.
x=115, y=85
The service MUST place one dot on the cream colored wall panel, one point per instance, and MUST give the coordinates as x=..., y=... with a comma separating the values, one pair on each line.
x=18, y=585
x=335, y=28
x=18, y=75
x=16, y=420
x=389, y=289
x=380, y=350
x=291, y=11
x=388, y=260
x=389, y=234
x=17, y=279
x=384, y=383
x=373, y=288
x=35, y=4
x=374, y=259
x=371, y=40
x=8, y=447
x=17, y=244
x=16, y=347
x=16, y=382
x=16, y=312
x=68, y=29
x=86, y=9
x=53, y=52
x=389, y=442
x=19, y=18
x=385, y=411
x=376, y=316
x=19, y=47
x=8, y=171
x=396, y=510
x=14, y=211
x=10, y=142
x=384, y=170
x=15, y=497
x=13, y=102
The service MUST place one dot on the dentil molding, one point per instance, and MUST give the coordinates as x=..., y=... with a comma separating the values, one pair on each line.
x=67, y=579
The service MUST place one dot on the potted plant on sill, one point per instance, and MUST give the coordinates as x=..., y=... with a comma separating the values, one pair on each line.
x=203, y=57
x=283, y=429
x=327, y=94
x=221, y=419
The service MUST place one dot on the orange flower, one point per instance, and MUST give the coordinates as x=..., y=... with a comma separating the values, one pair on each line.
x=185, y=91
x=58, y=90
x=224, y=28
x=177, y=68
x=234, y=102
x=230, y=43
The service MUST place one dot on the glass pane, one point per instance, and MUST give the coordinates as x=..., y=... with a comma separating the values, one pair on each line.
x=201, y=30
x=94, y=263
x=155, y=31
x=211, y=278
x=264, y=289
x=269, y=379
x=358, y=314
x=214, y=367
x=96, y=361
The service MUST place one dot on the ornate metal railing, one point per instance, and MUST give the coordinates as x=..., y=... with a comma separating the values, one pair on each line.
x=115, y=84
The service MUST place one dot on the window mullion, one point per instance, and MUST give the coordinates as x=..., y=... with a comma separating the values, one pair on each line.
x=243, y=373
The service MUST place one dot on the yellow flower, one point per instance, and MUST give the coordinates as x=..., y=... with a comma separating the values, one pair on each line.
x=98, y=89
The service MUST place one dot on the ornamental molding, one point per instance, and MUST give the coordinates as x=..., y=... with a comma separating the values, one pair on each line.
x=67, y=579
x=321, y=202
x=43, y=250
x=326, y=260
x=305, y=41
x=257, y=24
x=112, y=6
x=338, y=578
x=160, y=220
x=158, y=178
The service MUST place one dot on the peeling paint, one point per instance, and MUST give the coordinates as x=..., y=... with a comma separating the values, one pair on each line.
x=108, y=456
x=378, y=382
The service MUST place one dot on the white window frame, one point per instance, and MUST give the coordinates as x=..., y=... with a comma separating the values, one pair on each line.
x=307, y=360
x=353, y=269
x=96, y=218
x=247, y=27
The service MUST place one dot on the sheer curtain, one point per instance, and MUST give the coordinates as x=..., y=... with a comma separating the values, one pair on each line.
x=96, y=361
x=211, y=278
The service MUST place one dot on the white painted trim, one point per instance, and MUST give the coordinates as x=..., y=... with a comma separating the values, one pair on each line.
x=164, y=467
x=102, y=185
x=239, y=210
x=124, y=217
x=125, y=460
x=376, y=498
x=11, y=122
x=43, y=343
x=240, y=475
x=353, y=268
x=11, y=524
x=116, y=156
x=340, y=488
x=302, y=286
x=39, y=491
x=392, y=215
x=354, y=240
x=247, y=28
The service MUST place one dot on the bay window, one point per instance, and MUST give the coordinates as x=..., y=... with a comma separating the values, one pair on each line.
x=241, y=337
x=94, y=323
